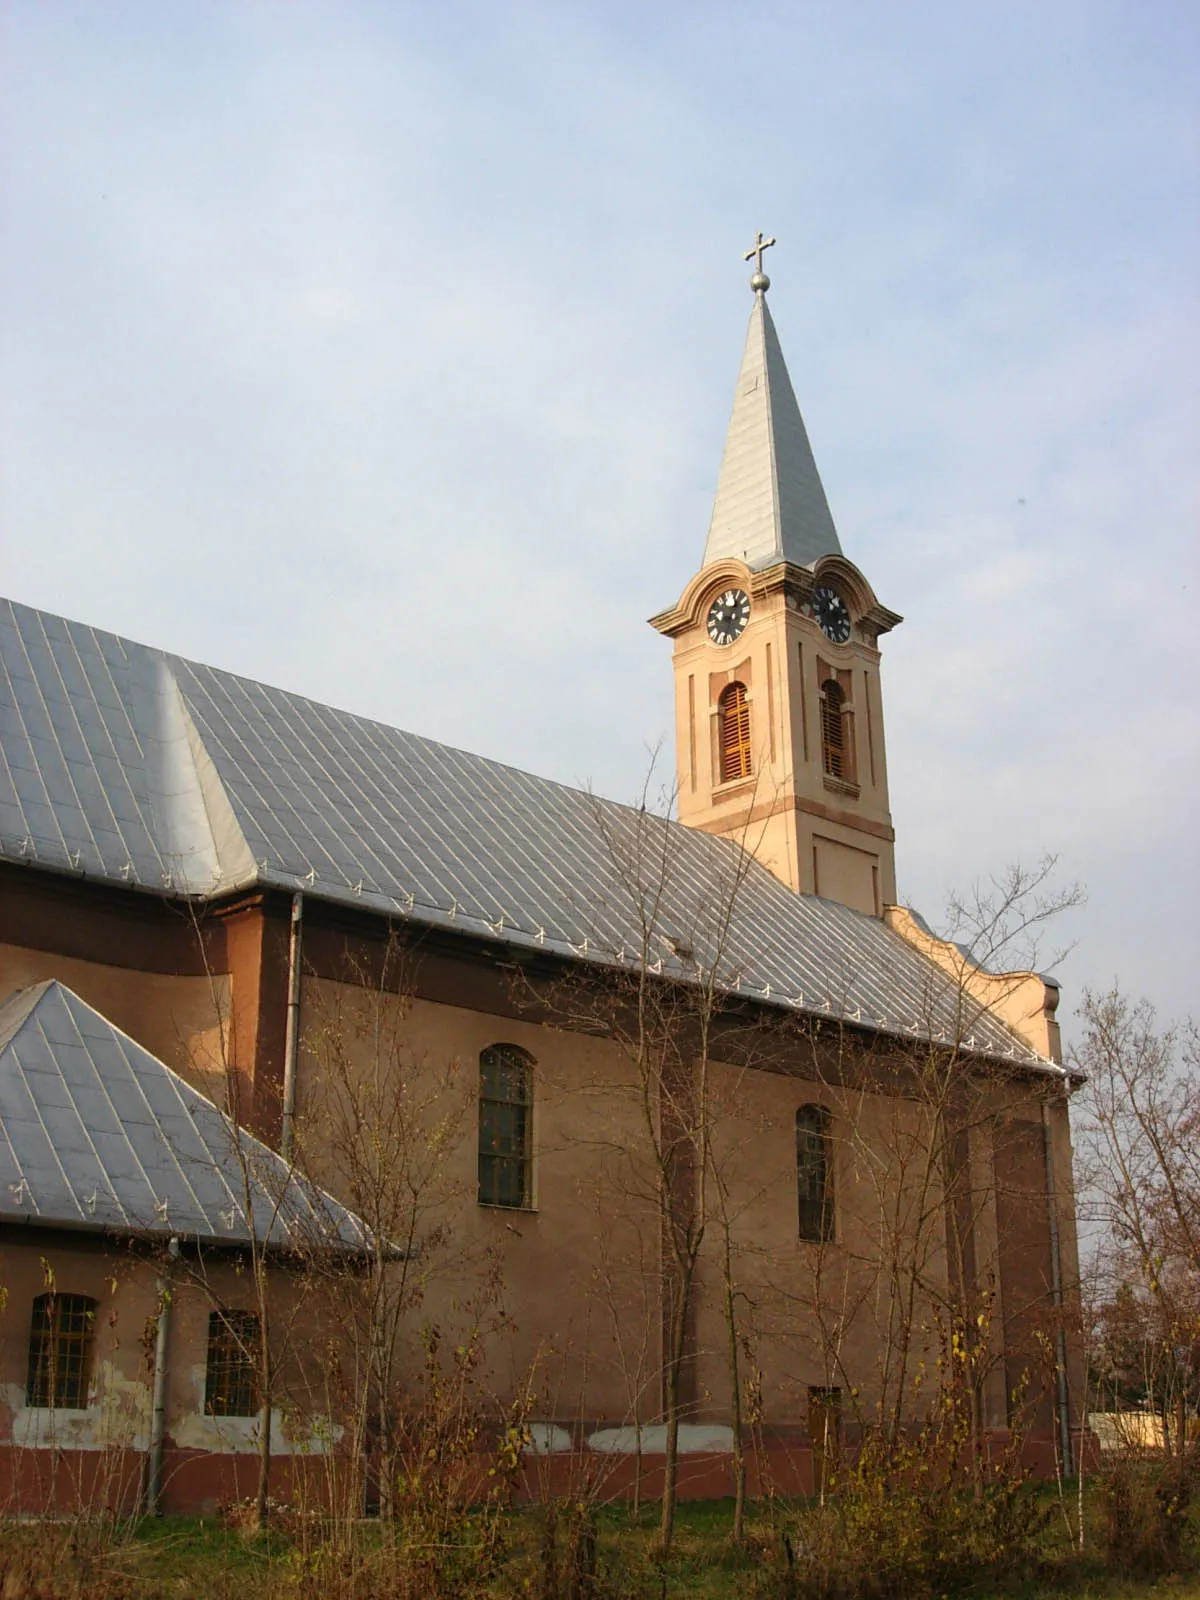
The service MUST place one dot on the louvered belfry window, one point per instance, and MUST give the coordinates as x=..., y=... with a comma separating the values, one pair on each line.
x=505, y=1126
x=833, y=725
x=60, y=1351
x=733, y=712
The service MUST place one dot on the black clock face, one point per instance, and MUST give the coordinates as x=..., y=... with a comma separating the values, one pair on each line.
x=830, y=611
x=728, y=615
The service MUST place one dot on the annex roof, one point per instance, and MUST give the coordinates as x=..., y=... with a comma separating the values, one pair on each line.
x=96, y=1133
x=770, y=505
x=124, y=764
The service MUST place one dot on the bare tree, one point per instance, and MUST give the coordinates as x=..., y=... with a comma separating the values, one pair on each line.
x=1139, y=1157
x=664, y=1001
x=922, y=1128
x=381, y=1120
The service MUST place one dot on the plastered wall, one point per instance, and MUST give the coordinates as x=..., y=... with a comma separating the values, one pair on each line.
x=183, y=1020
x=579, y=1273
x=573, y=1285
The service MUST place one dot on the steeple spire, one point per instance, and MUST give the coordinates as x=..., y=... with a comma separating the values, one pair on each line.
x=770, y=505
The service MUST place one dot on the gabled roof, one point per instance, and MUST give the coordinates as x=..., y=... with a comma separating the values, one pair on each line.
x=770, y=505
x=97, y=1134
x=137, y=768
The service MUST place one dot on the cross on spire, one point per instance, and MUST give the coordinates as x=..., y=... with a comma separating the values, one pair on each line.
x=759, y=282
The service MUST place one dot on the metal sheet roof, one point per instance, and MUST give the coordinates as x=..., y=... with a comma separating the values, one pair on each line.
x=133, y=766
x=97, y=1133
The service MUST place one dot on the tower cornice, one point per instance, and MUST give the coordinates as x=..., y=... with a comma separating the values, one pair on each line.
x=797, y=583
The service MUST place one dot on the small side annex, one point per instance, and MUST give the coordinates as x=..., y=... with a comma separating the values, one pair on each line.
x=132, y=1213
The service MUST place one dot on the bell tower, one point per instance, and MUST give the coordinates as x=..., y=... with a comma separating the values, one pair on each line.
x=778, y=707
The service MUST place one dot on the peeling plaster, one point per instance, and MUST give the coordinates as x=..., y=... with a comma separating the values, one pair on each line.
x=547, y=1439
x=694, y=1439
x=116, y=1417
x=312, y=1436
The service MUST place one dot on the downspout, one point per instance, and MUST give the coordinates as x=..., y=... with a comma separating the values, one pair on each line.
x=291, y=1040
x=1056, y=1289
x=165, y=1285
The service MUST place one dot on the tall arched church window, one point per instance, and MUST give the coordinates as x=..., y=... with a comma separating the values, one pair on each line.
x=505, y=1126
x=733, y=717
x=814, y=1174
x=60, y=1351
x=833, y=730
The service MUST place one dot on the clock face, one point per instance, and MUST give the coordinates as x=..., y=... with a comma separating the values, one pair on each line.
x=728, y=615
x=830, y=611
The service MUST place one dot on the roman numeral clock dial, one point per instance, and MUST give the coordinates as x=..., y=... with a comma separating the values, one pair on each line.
x=728, y=616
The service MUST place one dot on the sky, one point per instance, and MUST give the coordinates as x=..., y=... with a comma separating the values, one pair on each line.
x=385, y=352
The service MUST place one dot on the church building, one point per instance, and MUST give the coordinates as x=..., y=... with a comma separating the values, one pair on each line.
x=688, y=1115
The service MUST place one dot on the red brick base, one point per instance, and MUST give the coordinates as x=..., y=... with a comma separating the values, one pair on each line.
x=196, y=1483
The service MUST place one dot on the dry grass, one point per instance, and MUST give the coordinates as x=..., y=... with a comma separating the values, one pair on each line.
x=192, y=1559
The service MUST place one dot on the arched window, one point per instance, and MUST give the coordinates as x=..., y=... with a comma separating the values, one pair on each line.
x=733, y=717
x=833, y=730
x=60, y=1351
x=505, y=1126
x=814, y=1174
x=231, y=1372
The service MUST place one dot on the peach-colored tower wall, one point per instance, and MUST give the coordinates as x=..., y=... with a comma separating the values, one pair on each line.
x=818, y=832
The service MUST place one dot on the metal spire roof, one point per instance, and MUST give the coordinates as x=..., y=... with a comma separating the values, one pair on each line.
x=97, y=1133
x=770, y=505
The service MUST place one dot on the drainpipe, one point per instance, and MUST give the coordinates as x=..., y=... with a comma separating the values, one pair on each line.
x=1056, y=1288
x=158, y=1403
x=292, y=1036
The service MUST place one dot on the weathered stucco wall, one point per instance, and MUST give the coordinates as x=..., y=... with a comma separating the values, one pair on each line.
x=125, y=1288
x=101, y=1447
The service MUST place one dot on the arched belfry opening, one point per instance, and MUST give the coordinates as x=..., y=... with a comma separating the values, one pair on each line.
x=733, y=733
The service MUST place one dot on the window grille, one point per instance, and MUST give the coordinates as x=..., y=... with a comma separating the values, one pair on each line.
x=505, y=1126
x=231, y=1386
x=60, y=1350
x=814, y=1174
x=833, y=729
x=733, y=714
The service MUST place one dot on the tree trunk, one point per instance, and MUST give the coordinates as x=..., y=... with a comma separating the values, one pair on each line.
x=735, y=1381
x=262, y=1502
x=676, y=1348
x=666, y=1531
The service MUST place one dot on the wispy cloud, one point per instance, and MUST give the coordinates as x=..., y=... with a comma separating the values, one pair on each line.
x=386, y=352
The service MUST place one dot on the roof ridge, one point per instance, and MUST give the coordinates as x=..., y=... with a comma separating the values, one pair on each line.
x=248, y=1186
x=17, y=1008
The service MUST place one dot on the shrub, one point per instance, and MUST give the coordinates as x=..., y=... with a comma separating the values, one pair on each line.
x=1145, y=1528
x=900, y=1522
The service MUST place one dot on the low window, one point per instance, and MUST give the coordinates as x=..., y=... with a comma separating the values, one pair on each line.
x=505, y=1118
x=814, y=1174
x=60, y=1350
x=231, y=1375
x=733, y=717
